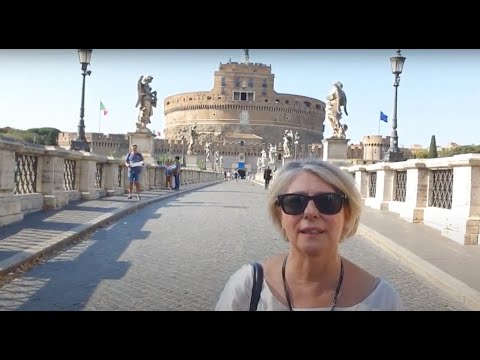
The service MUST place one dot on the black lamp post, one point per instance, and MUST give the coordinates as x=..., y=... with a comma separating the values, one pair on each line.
x=81, y=143
x=296, y=140
x=393, y=153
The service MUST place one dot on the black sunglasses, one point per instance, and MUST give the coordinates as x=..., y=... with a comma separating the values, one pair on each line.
x=295, y=204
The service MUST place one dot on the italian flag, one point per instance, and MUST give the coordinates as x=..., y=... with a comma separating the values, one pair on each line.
x=103, y=108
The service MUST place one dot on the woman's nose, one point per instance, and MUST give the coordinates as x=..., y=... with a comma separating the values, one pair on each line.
x=311, y=209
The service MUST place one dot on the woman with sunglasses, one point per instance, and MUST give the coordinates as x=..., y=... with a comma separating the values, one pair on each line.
x=315, y=205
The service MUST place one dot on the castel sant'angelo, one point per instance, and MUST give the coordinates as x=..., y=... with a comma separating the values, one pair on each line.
x=243, y=101
x=242, y=117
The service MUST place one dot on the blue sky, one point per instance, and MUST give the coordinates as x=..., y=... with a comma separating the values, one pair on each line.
x=438, y=93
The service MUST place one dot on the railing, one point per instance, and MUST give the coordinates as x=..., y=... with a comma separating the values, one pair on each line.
x=443, y=193
x=372, y=184
x=25, y=174
x=69, y=182
x=441, y=190
x=98, y=176
x=34, y=177
x=400, y=186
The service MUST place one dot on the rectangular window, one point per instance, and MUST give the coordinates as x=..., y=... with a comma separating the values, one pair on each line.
x=244, y=95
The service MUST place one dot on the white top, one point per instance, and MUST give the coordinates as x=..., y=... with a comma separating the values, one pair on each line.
x=238, y=290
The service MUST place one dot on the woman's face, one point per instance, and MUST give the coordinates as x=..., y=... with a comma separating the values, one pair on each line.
x=312, y=233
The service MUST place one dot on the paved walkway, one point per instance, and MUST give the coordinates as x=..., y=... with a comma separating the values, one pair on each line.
x=42, y=233
x=452, y=266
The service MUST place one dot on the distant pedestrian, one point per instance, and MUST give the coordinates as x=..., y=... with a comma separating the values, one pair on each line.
x=168, y=174
x=267, y=176
x=176, y=173
x=134, y=162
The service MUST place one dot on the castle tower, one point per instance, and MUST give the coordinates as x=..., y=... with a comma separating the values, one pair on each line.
x=374, y=147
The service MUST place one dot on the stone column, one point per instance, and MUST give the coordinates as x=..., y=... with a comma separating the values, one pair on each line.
x=10, y=207
x=466, y=200
x=416, y=195
x=111, y=171
x=384, y=187
x=88, y=170
x=361, y=179
x=53, y=168
x=385, y=182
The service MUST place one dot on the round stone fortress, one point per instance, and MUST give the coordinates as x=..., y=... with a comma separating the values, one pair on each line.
x=243, y=100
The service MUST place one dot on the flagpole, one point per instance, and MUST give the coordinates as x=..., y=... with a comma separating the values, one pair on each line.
x=379, y=121
x=99, y=119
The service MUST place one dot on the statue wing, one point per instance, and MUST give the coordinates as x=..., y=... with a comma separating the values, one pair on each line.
x=139, y=90
x=345, y=103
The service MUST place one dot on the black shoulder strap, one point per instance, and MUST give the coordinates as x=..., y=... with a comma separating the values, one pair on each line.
x=257, y=285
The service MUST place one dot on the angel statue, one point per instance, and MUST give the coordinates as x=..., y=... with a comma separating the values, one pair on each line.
x=147, y=100
x=335, y=100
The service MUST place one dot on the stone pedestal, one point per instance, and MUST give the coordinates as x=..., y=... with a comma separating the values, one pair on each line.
x=144, y=142
x=209, y=165
x=335, y=149
x=393, y=156
x=191, y=160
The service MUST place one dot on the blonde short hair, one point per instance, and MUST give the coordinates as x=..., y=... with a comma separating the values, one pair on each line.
x=340, y=180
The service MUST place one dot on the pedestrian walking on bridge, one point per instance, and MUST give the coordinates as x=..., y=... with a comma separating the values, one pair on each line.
x=134, y=162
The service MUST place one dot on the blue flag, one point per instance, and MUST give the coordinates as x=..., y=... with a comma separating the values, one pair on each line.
x=383, y=117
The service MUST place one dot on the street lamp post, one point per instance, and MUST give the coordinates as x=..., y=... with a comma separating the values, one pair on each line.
x=296, y=140
x=393, y=154
x=81, y=143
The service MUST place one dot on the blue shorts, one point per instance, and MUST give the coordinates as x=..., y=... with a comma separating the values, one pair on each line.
x=134, y=176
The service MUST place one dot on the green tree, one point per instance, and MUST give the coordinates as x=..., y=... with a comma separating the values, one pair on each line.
x=432, y=152
x=44, y=136
x=52, y=137
x=201, y=165
x=422, y=154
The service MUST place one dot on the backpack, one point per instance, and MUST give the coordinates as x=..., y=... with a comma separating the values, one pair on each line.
x=257, y=285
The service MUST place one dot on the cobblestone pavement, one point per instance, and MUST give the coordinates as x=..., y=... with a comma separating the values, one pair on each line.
x=177, y=254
